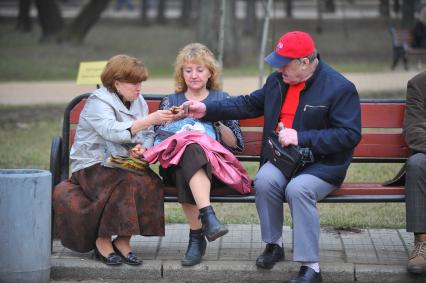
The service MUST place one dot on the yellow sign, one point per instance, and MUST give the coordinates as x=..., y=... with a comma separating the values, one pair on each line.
x=90, y=72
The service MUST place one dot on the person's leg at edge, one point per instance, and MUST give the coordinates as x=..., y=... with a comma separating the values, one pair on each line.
x=415, y=203
x=269, y=183
x=302, y=194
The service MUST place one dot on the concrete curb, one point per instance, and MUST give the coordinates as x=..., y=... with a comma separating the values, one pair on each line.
x=222, y=271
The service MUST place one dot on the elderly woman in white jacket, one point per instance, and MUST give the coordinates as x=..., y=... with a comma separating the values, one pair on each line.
x=99, y=202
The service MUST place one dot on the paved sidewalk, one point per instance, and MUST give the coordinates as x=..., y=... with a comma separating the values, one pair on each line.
x=372, y=255
x=22, y=93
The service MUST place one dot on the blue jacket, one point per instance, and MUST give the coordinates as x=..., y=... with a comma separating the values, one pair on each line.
x=327, y=119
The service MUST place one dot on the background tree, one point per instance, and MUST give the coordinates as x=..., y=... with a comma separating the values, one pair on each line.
x=384, y=9
x=208, y=22
x=289, y=8
x=185, y=12
x=161, y=12
x=250, y=21
x=23, y=22
x=232, y=51
x=52, y=24
x=50, y=19
x=144, y=12
x=80, y=26
x=320, y=10
x=408, y=9
x=208, y=30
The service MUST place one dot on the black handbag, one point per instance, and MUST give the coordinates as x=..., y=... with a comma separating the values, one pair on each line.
x=288, y=159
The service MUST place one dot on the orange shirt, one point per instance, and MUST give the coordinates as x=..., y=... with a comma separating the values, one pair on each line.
x=290, y=104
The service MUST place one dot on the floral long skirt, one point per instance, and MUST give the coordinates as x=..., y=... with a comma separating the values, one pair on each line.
x=100, y=202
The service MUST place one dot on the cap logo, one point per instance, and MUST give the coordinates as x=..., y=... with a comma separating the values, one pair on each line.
x=280, y=45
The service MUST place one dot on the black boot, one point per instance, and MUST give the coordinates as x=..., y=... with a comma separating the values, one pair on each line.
x=211, y=226
x=196, y=248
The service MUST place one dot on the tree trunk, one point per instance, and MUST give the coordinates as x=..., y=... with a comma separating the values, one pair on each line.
x=161, y=12
x=81, y=25
x=232, y=50
x=250, y=20
x=144, y=12
x=50, y=19
x=330, y=6
x=289, y=8
x=208, y=24
x=384, y=9
x=319, y=16
x=408, y=9
x=185, y=12
x=24, y=21
x=396, y=6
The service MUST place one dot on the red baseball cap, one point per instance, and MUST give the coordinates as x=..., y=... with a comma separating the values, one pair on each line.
x=292, y=45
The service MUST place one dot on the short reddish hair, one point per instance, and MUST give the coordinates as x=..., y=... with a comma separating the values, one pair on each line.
x=123, y=68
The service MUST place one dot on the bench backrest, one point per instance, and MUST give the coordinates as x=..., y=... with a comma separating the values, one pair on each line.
x=382, y=139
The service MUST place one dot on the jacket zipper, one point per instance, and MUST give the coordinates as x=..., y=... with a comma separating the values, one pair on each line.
x=313, y=106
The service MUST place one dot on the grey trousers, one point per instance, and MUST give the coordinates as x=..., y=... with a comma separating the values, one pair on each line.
x=302, y=194
x=415, y=193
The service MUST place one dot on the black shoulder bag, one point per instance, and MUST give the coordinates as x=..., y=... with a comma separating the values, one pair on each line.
x=288, y=159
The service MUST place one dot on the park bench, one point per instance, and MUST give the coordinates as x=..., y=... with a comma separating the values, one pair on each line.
x=382, y=142
x=402, y=42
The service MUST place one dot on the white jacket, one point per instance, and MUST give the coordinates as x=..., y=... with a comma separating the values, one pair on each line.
x=102, y=129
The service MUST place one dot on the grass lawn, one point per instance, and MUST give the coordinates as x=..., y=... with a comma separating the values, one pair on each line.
x=26, y=133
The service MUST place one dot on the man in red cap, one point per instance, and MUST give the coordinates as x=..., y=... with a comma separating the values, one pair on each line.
x=320, y=111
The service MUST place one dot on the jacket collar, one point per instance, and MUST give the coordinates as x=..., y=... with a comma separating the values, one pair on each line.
x=113, y=100
x=314, y=76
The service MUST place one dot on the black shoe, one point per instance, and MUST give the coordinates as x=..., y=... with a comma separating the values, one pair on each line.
x=211, y=226
x=196, y=248
x=130, y=259
x=307, y=275
x=272, y=254
x=111, y=259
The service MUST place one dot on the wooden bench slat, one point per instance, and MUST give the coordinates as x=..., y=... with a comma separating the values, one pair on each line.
x=382, y=145
x=365, y=188
x=351, y=188
x=383, y=115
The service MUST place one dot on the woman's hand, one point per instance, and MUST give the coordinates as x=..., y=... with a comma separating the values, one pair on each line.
x=137, y=151
x=156, y=118
x=161, y=117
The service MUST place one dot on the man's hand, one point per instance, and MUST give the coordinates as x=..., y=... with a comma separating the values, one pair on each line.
x=195, y=108
x=288, y=136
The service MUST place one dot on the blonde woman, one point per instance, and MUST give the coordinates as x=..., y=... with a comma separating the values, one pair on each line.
x=196, y=77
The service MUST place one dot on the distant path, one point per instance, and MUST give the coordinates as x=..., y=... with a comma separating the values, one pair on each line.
x=49, y=92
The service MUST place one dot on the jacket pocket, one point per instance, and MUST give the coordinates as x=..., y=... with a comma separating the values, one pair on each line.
x=315, y=116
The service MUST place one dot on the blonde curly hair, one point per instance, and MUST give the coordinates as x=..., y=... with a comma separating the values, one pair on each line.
x=199, y=54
